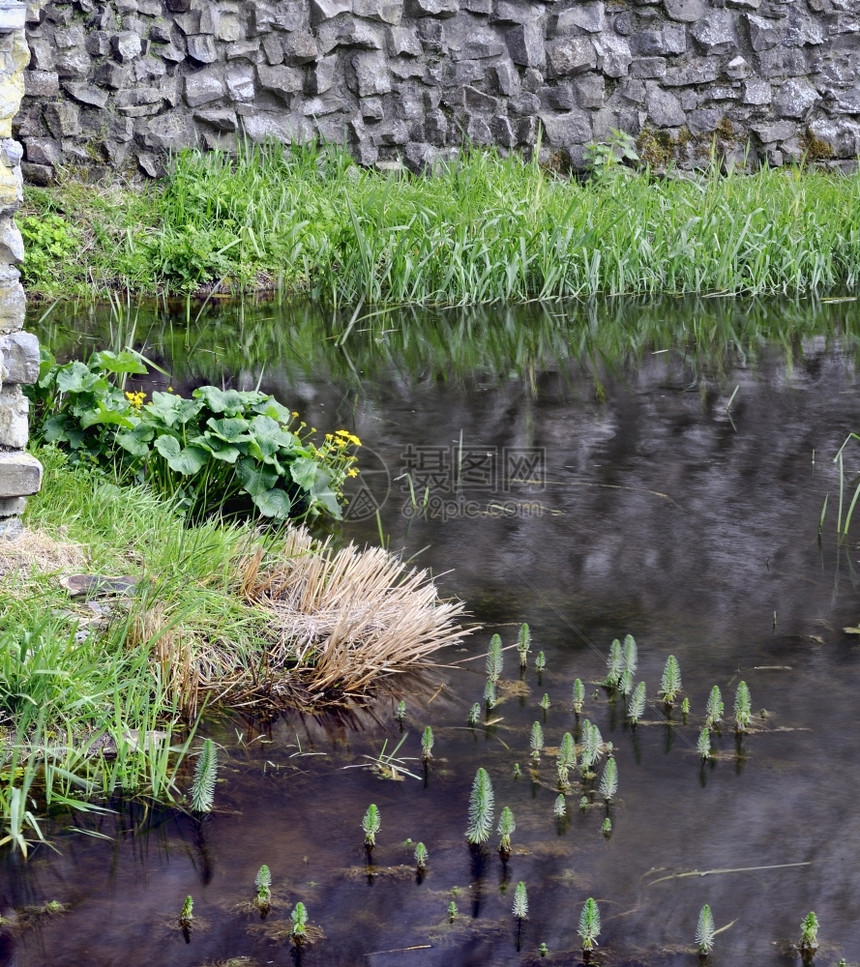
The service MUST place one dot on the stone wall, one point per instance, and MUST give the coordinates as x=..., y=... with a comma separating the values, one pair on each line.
x=20, y=473
x=117, y=84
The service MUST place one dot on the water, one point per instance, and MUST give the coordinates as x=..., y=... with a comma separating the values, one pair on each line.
x=658, y=471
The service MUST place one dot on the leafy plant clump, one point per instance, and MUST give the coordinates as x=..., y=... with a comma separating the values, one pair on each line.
x=223, y=452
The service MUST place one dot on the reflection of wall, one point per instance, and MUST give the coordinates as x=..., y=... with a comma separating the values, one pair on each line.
x=120, y=83
x=20, y=474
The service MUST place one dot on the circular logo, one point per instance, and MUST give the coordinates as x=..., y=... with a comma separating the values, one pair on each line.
x=365, y=494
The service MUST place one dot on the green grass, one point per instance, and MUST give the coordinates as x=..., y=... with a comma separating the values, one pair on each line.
x=65, y=694
x=483, y=229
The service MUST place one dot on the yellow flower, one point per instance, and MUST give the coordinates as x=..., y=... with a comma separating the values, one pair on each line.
x=352, y=472
x=136, y=399
x=349, y=437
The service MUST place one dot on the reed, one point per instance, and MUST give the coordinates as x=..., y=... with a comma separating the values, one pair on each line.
x=482, y=229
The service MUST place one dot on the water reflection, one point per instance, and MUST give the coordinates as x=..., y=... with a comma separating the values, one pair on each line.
x=657, y=469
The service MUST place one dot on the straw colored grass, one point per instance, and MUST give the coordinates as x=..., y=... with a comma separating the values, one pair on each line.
x=344, y=619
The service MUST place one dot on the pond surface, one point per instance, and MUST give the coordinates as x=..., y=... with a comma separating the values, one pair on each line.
x=657, y=470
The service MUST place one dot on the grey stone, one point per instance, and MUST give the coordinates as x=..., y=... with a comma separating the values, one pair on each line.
x=526, y=44
x=371, y=73
x=203, y=87
x=126, y=46
x=300, y=47
x=430, y=8
x=11, y=507
x=664, y=109
x=386, y=11
x=327, y=9
x=86, y=93
x=774, y=131
x=572, y=55
x=669, y=39
x=764, y=33
x=44, y=151
x=564, y=130
x=756, y=91
x=41, y=84
x=590, y=17
x=63, y=119
x=801, y=30
x=738, y=68
x=590, y=90
x=715, y=33
x=795, y=98
x=280, y=79
x=404, y=41
x=687, y=11
x=201, y=47
x=14, y=427
x=19, y=358
x=322, y=76
x=613, y=55
x=170, y=132
x=240, y=82
x=651, y=67
x=11, y=527
x=221, y=119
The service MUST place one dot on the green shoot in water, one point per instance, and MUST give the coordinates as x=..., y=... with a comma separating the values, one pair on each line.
x=714, y=709
x=578, y=696
x=370, y=824
x=299, y=920
x=808, y=942
x=592, y=746
x=400, y=711
x=589, y=925
x=524, y=641
x=420, y=857
x=474, y=715
x=495, y=659
x=743, y=711
x=705, y=931
x=609, y=779
x=205, y=776
x=614, y=665
x=670, y=683
x=521, y=901
x=186, y=915
x=540, y=662
x=606, y=828
x=427, y=741
x=703, y=746
x=453, y=912
x=636, y=704
x=506, y=827
x=536, y=741
x=545, y=702
x=481, y=808
x=490, y=697
x=263, y=883
x=559, y=808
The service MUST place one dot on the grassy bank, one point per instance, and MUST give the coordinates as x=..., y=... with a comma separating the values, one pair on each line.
x=483, y=229
x=101, y=692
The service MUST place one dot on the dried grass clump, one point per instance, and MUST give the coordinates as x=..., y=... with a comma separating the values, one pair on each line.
x=32, y=552
x=341, y=619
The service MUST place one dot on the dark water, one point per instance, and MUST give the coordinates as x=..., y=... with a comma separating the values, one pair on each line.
x=657, y=470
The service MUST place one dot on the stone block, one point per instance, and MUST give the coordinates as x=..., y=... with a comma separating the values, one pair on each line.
x=11, y=507
x=63, y=119
x=300, y=47
x=590, y=90
x=431, y=8
x=281, y=80
x=240, y=82
x=221, y=119
x=613, y=55
x=169, y=132
x=571, y=55
x=371, y=73
x=386, y=11
x=43, y=151
x=687, y=11
x=795, y=98
x=203, y=88
x=202, y=48
x=715, y=32
x=41, y=84
x=403, y=41
x=526, y=44
x=126, y=46
x=669, y=39
x=321, y=10
x=228, y=28
x=764, y=33
x=664, y=108
x=590, y=17
x=19, y=352
x=14, y=428
x=564, y=130
x=86, y=93
x=756, y=91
